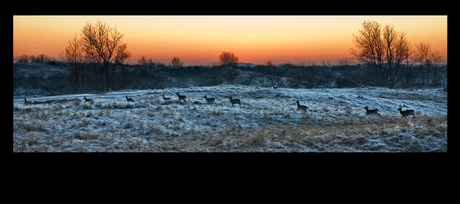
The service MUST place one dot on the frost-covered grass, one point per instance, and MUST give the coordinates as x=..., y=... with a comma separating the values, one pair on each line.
x=267, y=121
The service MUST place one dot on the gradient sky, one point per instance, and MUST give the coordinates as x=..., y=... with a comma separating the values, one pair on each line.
x=198, y=40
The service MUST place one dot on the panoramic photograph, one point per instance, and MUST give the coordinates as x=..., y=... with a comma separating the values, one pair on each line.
x=230, y=83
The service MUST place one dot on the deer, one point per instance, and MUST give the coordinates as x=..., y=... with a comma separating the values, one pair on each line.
x=301, y=107
x=28, y=102
x=164, y=98
x=181, y=97
x=210, y=100
x=129, y=99
x=406, y=112
x=370, y=112
x=234, y=101
x=88, y=99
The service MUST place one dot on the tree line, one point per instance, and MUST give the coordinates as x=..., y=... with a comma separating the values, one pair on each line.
x=391, y=58
x=41, y=58
x=95, y=61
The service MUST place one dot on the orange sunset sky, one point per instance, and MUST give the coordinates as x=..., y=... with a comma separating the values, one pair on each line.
x=198, y=40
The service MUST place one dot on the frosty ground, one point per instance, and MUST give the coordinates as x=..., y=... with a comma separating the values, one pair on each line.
x=267, y=121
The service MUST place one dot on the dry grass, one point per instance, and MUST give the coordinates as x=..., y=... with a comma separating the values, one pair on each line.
x=86, y=106
x=161, y=126
x=29, y=125
x=85, y=135
x=32, y=138
x=257, y=137
x=76, y=102
x=129, y=124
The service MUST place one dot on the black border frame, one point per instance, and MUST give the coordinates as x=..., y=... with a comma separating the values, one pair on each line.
x=233, y=177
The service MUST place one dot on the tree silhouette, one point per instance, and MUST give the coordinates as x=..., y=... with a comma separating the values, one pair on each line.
x=73, y=55
x=23, y=59
x=428, y=62
x=228, y=58
x=384, y=50
x=101, y=44
x=122, y=55
x=142, y=61
x=177, y=62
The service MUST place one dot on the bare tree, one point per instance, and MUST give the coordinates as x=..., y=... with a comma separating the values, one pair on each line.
x=122, y=55
x=384, y=50
x=42, y=58
x=73, y=55
x=325, y=62
x=31, y=59
x=428, y=62
x=22, y=59
x=345, y=61
x=142, y=61
x=408, y=73
x=436, y=59
x=177, y=62
x=345, y=65
x=228, y=58
x=101, y=43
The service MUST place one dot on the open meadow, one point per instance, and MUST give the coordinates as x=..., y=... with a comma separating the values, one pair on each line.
x=266, y=121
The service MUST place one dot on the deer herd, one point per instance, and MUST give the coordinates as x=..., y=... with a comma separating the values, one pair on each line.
x=302, y=108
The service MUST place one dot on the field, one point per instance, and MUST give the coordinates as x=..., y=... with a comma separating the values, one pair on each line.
x=266, y=121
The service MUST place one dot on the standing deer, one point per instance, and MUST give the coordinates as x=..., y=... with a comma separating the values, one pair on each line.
x=405, y=113
x=209, y=100
x=234, y=101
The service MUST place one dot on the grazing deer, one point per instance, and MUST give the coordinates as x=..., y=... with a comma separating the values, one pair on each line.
x=210, y=100
x=28, y=102
x=88, y=99
x=234, y=101
x=129, y=99
x=369, y=112
x=301, y=107
x=405, y=113
x=164, y=98
x=181, y=97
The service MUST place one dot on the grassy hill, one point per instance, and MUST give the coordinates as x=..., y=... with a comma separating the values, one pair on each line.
x=266, y=121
